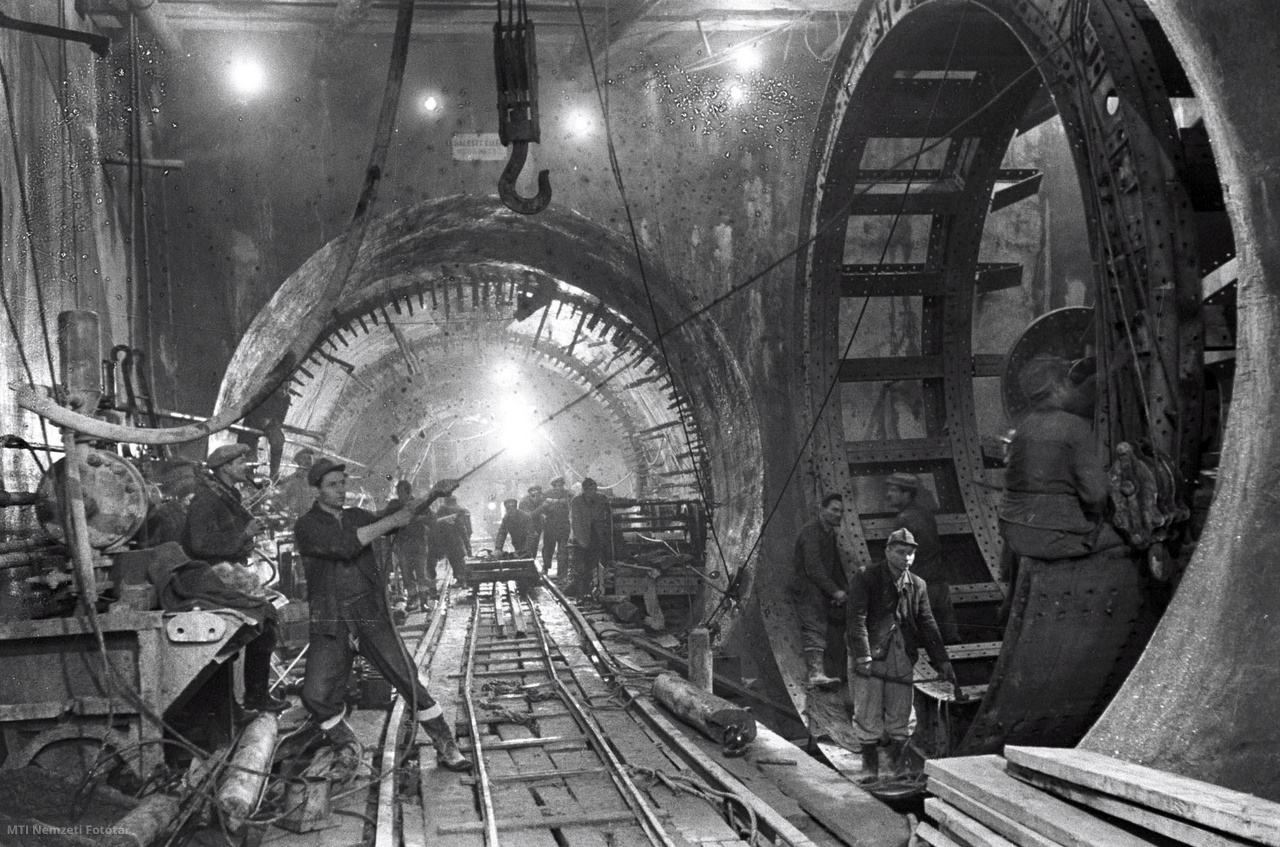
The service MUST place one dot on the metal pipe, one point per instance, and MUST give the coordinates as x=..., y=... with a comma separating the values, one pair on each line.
x=310, y=333
x=154, y=19
x=147, y=821
x=76, y=523
x=240, y=790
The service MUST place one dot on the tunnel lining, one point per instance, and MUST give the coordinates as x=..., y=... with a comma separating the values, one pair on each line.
x=897, y=63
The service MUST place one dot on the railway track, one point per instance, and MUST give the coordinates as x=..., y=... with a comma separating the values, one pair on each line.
x=559, y=760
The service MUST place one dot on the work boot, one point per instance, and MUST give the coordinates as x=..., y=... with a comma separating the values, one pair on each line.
x=342, y=735
x=870, y=763
x=896, y=758
x=817, y=674
x=448, y=756
x=263, y=701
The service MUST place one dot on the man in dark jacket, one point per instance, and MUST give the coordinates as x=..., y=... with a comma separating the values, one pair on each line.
x=902, y=490
x=518, y=524
x=821, y=588
x=590, y=537
x=1056, y=478
x=347, y=594
x=889, y=621
x=219, y=528
x=530, y=503
x=410, y=550
x=450, y=536
x=554, y=512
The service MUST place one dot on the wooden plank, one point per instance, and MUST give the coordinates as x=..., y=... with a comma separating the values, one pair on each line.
x=1008, y=827
x=1233, y=812
x=963, y=828
x=513, y=798
x=983, y=778
x=1184, y=832
x=933, y=837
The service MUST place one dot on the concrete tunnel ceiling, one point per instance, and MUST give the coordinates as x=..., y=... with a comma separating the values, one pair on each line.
x=448, y=295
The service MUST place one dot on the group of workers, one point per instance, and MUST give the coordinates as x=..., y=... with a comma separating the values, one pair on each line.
x=869, y=625
x=205, y=535
x=199, y=558
x=575, y=531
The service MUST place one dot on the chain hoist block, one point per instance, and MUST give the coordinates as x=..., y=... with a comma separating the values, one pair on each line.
x=515, y=62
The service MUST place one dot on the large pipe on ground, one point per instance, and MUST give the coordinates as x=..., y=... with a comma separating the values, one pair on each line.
x=731, y=726
x=242, y=787
x=148, y=820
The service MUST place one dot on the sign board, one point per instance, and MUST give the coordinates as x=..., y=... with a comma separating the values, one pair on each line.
x=478, y=147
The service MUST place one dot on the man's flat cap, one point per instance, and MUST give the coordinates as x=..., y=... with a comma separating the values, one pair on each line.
x=225, y=454
x=902, y=536
x=321, y=467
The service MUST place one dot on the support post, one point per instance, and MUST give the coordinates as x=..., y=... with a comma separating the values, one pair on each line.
x=700, y=660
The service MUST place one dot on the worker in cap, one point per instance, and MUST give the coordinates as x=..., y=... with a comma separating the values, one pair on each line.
x=349, y=613
x=518, y=524
x=554, y=512
x=821, y=587
x=220, y=529
x=530, y=503
x=902, y=491
x=889, y=620
x=294, y=495
x=590, y=537
x=1056, y=481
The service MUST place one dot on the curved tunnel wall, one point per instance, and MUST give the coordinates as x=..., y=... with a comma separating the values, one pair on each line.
x=467, y=237
x=1203, y=699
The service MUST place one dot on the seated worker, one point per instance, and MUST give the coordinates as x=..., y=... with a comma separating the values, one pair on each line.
x=1056, y=477
x=220, y=532
x=219, y=528
x=350, y=614
x=888, y=622
x=184, y=584
x=902, y=490
x=517, y=523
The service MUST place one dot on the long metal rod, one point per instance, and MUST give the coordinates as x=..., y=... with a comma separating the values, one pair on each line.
x=630, y=793
x=482, y=772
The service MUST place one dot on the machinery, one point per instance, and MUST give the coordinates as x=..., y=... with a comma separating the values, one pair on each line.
x=659, y=548
x=92, y=668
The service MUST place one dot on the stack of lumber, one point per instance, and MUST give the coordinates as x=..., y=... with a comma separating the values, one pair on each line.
x=1048, y=797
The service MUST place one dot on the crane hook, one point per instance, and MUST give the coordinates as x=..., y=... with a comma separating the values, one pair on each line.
x=507, y=183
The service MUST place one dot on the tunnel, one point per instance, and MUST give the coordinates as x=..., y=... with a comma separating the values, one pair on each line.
x=444, y=343
x=1129, y=91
